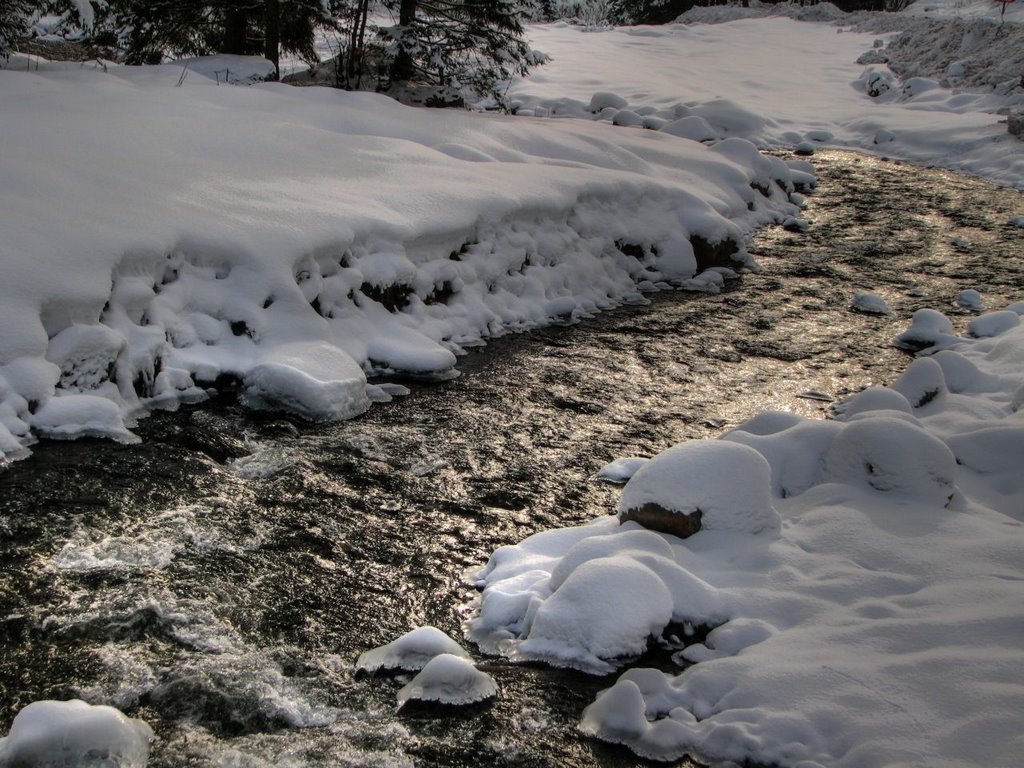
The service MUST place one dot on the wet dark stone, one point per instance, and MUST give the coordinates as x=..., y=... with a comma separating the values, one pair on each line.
x=392, y=297
x=718, y=254
x=656, y=518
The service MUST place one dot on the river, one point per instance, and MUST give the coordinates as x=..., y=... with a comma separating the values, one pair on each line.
x=220, y=579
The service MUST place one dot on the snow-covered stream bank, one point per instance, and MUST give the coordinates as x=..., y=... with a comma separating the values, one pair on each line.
x=175, y=237
x=221, y=588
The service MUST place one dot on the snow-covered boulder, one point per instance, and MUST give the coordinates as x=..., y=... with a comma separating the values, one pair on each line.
x=928, y=328
x=451, y=680
x=74, y=416
x=572, y=627
x=73, y=734
x=701, y=484
x=604, y=99
x=692, y=127
x=411, y=652
x=314, y=380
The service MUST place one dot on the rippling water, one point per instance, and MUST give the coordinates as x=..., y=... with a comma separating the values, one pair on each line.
x=220, y=579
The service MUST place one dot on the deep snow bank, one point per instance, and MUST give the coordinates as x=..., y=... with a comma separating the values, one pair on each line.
x=161, y=236
x=786, y=75
x=878, y=625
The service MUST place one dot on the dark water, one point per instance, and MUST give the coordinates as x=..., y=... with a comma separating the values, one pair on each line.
x=225, y=603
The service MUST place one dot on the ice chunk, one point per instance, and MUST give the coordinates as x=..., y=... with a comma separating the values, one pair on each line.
x=727, y=483
x=449, y=679
x=85, y=354
x=314, y=380
x=73, y=734
x=411, y=652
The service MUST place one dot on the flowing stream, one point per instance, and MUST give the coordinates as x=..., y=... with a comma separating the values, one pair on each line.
x=220, y=579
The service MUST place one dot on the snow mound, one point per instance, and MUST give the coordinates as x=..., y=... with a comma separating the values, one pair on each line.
x=451, y=680
x=727, y=486
x=888, y=454
x=970, y=300
x=73, y=734
x=73, y=416
x=411, y=652
x=993, y=323
x=597, y=603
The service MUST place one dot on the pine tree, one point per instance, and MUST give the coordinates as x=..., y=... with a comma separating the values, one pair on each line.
x=14, y=18
x=150, y=30
x=457, y=44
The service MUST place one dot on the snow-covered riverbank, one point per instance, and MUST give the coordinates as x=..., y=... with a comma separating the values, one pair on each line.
x=160, y=237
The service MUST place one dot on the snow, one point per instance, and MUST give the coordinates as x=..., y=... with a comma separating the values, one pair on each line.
x=451, y=680
x=62, y=734
x=870, y=304
x=178, y=235
x=411, y=652
x=729, y=484
x=878, y=624
x=941, y=99
x=620, y=470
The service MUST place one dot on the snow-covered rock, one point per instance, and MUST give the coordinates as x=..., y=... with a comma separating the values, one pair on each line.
x=699, y=485
x=929, y=328
x=73, y=734
x=451, y=680
x=970, y=300
x=870, y=304
x=411, y=652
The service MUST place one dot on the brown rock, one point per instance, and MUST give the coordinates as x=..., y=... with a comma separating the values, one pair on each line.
x=655, y=517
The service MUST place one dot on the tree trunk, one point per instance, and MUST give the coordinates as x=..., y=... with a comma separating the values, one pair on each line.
x=236, y=24
x=402, y=69
x=272, y=34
